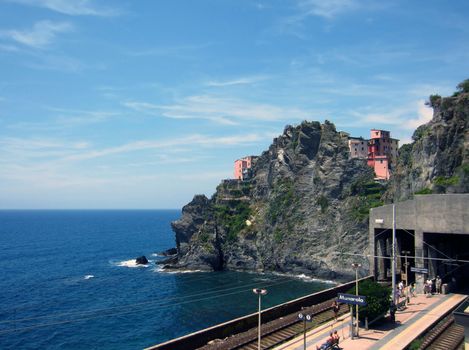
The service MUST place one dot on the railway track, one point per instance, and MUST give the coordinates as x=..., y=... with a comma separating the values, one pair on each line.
x=446, y=335
x=277, y=331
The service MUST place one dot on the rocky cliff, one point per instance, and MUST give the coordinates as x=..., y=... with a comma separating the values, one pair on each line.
x=305, y=209
x=437, y=161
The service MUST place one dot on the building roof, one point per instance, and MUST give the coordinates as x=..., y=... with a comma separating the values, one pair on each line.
x=445, y=213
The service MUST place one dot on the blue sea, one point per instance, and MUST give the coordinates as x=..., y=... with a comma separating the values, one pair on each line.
x=68, y=281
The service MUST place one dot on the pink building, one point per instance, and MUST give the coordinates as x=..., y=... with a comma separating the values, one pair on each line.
x=381, y=167
x=380, y=151
x=381, y=144
x=242, y=167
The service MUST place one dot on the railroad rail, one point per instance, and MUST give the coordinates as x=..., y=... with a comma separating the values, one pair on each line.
x=446, y=335
x=277, y=331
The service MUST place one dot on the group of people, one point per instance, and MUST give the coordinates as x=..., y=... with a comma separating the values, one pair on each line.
x=432, y=286
x=331, y=343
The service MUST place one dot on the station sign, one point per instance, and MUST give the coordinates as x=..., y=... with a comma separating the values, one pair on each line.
x=351, y=299
x=305, y=317
x=419, y=269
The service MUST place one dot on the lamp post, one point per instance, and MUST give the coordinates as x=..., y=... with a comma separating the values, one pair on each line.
x=393, y=264
x=406, y=264
x=260, y=292
x=356, y=266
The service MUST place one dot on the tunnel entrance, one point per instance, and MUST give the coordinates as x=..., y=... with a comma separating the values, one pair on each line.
x=443, y=253
x=405, y=252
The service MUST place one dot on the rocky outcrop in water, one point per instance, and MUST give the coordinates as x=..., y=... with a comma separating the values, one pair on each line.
x=299, y=213
x=141, y=260
x=305, y=209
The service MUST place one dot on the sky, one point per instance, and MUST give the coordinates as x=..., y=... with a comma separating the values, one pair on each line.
x=143, y=104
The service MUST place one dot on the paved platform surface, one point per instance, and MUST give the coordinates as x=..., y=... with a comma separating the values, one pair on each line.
x=410, y=323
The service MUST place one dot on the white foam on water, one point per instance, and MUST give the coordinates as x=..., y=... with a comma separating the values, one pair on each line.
x=130, y=263
x=87, y=277
x=182, y=271
x=305, y=278
x=261, y=279
x=158, y=268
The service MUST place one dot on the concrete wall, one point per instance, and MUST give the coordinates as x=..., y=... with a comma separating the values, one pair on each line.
x=437, y=213
x=445, y=213
x=242, y=324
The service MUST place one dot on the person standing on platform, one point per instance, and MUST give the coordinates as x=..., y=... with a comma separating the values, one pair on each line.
x=335, y=308
x=438, y=284
x=428, y=287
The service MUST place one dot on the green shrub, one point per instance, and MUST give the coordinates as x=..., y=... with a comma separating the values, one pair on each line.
x=416, y=343
x=278, y=235
x=441, y=183
x=446, y=181
x=233, y=217
x=434, y=101
x=283, y=197
x=203, y=237
x=424, y=190
x=377, y=299
x=463, y=86
x=323, y=202
x=368, y=195
x=405, y=155
x=421, y=131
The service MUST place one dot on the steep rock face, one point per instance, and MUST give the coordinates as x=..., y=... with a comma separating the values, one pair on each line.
x=305, y=209
x=438, y=159
x=295, y=215
x=196, y=225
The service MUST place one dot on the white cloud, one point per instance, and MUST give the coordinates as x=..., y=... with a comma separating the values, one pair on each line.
x=407, y=117
x=203, y=176
x=239, y=81
x=71, y=7
x=192, y=140
x=327, y=9
x=8, y=48
x=222, y=110
x=41, y=35
x=66, y=118
x=178, y=51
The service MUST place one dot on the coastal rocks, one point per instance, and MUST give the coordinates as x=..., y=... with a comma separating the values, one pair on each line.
x=169, y=252
x=141, y=260
x=304, y=211
x=293, y=216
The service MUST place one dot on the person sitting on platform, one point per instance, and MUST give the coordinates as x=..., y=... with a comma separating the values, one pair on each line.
x=336, y=338
x=328, y=344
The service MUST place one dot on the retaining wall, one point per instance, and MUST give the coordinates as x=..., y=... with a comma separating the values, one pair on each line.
x=200, y=338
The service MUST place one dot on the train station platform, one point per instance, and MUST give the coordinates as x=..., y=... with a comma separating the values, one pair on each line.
x=421, y=312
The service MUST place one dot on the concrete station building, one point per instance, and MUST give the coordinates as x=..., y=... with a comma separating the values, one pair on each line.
x=434, y=229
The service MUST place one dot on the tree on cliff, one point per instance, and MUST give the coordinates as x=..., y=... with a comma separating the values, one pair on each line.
x=463, y=86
